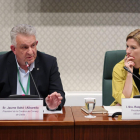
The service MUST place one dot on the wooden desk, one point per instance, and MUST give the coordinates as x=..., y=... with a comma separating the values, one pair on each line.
x=103, y=127
x=53, y=127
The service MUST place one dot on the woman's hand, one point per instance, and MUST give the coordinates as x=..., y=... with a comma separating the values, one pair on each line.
x=128, y=62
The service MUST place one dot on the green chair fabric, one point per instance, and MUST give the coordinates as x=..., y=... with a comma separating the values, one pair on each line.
x=3, y=52
x=110, y=60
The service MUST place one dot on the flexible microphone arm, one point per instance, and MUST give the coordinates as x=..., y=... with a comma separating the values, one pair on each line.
x=120, y=113
x=27, y=65
x=130, y=72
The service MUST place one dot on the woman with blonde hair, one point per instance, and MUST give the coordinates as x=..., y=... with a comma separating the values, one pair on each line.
x=124, y=84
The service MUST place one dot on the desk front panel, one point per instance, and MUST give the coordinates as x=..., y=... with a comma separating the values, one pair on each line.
x=52, y=127
x=103, y=127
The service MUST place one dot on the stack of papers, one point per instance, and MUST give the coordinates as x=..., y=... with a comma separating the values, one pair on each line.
x=112, y=109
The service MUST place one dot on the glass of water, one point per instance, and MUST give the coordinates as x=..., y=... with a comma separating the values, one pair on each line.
x=90, y=105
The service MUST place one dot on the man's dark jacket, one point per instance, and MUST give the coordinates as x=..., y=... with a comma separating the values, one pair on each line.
x=45, y=74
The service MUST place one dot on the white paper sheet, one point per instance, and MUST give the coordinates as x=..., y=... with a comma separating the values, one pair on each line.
x=113, y=109
x=45, y=111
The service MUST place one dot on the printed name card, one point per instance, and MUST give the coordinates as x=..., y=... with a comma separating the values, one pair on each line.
x=21, y=109
x=131, y=108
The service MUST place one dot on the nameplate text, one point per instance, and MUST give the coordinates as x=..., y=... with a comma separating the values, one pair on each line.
x=131, y=108
x=21, y=109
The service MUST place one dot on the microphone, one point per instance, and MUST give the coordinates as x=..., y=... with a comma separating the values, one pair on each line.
x=27, y=65
x=127, y=69
x=135, y=96
x=130, y=72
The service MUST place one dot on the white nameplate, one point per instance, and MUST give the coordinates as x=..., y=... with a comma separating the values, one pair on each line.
x=131, y=108
x=21, y=109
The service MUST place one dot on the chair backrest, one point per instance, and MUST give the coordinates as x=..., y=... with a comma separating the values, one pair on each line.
x=110, y=60
x=3, y=52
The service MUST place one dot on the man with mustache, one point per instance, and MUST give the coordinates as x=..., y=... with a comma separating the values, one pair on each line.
x=14, y=75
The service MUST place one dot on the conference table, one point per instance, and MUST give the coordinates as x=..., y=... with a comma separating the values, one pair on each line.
x=103, y=127
x=52, y=127
x=71, y=125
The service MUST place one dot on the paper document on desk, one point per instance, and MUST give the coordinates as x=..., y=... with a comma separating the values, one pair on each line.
x=112, y=109
x=45, y=111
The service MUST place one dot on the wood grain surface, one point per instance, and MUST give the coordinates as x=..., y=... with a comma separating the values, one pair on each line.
x=103, y=127
x=52, y=127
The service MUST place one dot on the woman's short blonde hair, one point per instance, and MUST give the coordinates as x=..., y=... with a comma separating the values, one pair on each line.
x=134, y=35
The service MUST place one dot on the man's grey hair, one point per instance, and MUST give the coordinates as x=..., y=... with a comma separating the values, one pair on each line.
x=21, y=29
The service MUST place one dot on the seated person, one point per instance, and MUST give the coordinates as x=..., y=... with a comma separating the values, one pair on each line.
x=14, y=75
x=124, y=84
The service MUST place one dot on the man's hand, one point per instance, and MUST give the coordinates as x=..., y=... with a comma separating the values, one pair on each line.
x=53, y=100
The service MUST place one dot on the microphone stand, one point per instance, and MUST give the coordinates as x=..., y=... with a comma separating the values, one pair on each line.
x=131, y=72
x=120, y=113
x=27, y=65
